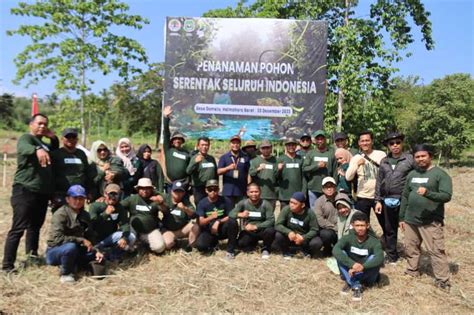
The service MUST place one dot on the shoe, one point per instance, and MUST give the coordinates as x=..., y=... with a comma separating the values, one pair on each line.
x=345, y=289
x=390, y=261
x=357, y=294
x=9, y=270
x=413, y=274
x=286, y=256
x=67, y=278
x=33, y=260
x=443, y=285
x=265, y=254
x=229, y=256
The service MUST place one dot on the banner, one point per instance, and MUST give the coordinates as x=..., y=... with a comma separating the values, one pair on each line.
x=260, y=78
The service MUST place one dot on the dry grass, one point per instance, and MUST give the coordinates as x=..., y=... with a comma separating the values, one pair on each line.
x=176, y=282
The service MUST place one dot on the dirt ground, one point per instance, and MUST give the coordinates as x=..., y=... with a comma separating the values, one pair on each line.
x=177, y=282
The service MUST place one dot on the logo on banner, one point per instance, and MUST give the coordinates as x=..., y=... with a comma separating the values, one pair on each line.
x=189, y=26
x=174, y=25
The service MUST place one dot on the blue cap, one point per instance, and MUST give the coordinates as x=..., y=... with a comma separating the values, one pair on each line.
x=298, y=196
x=177, y=185
x=76, y=191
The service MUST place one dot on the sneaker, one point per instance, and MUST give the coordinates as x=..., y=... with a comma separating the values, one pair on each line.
x=345, y=289
x=67, y=278
x=265, y=254
x=390, y=261
x=357, y=294
x=443, y=285
x=286, y=256
x=229, y=256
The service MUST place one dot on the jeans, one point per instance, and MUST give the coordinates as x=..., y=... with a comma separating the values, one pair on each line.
x=366, y=277
x=112, y=240
x=69, y=256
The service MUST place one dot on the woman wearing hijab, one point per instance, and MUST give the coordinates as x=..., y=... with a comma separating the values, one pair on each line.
x=109, y=169
x=151, y=168
x=131, y=163
x=343, y=158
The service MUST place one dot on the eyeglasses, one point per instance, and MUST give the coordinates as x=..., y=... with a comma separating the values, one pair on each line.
x=212, y=189
x=102, y=150
x=394, y=142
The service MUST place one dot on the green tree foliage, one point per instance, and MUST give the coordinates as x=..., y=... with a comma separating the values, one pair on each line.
x=7, y=113
x=73, y=39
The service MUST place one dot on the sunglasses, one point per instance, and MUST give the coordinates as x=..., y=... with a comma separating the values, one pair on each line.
x=212, y=189
x=394, y=142
x=113, y=195
x=71, y=137
x=102, y=150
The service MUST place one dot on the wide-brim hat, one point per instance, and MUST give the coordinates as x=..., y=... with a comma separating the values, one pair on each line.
x=178, y=135
x=249, y=144
x=392, y=136
x=144, y=183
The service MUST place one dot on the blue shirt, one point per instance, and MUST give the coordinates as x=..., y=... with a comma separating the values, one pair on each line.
x=235, y=184
x=223, y=206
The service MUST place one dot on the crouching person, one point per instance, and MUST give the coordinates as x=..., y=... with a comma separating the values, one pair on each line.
x=359, y=256
x=296, y=226
x=257, y=221
x=143, y=209
x=110, y=222
x=70, y=238
x=177, y=214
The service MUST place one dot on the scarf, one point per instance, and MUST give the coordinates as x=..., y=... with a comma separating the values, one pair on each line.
x=127, y=158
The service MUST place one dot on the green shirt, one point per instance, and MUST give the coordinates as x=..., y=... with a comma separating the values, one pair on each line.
x=29, y=172
x=116, y=166
x=421, y=210
x=304, y=224
x=315, y=174
x=290, y=177
x=143, y=213
x=175, y=218
x=202, y=171
x=266, y=178
x=348, y=251
x=106, y=224
x=260, y=215
x=176, y=160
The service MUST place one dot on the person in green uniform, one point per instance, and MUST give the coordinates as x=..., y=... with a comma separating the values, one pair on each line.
x=359, y=256
x=264, y=172
x=341, y=141
x=143, y=209
x=109, y=169
x=426, y=191
x=257, y=221
x=178, y=212
x=31, y=191
x=318, y=163
x=70, y=167
x=202, y=167
x=305, y=145
x=151, y=168
x=109, y=220
x=290, y=177
x=296, y=225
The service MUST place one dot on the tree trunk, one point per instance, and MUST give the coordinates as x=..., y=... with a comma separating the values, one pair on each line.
x=340, y=96
x=83, y=94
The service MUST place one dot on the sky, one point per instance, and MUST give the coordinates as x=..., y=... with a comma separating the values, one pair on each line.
x=452, y=24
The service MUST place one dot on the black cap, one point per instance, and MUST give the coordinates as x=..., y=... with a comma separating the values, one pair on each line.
x=305, y=135
x=178, y=185
x=392, y=136
x=69, y=131
x=340, y=136
x=212, y=183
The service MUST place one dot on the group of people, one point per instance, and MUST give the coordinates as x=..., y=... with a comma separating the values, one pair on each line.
x=325, y=196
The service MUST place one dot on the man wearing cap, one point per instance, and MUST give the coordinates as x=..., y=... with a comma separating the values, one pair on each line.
x=202, y=167
x=290, y=177
x=257, y=221
x=109, y=220
x=143, y=209
x=296, y=225
x=32, y=188
x=341, y=140
x=234, y=168
x=250, y=148
x=177, y=214
x=213, y=218
x=305, y=145
x=318, y=163
x=365, y=165
x=326, y=213
x=176, y=157
x=426, y=191
x=391, y=179
x=264, y=172
x=71, y=237
x=70, y=167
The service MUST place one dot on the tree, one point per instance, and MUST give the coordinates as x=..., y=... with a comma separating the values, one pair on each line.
x=75, y=40
x=6, y=110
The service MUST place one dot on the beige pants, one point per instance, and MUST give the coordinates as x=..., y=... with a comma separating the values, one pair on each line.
x=190, y=230
x=155, y=240
x=433, y=237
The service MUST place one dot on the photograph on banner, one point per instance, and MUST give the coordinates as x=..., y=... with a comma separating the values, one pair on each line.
x=259, y=78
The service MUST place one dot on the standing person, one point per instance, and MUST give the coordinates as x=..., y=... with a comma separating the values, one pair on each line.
x=426, y=191
x=264, y=172
x=213, y=217
x=343, y=157
x=391, y=179
x=131, y=163
x=176, y=156
x=318, y=163
x=70, y=167
x=290, y=177
x=250, y=148
x=32, y=188
x=151, y=168
x=202, y=167
x=305, y=145
x=341, y=141
x=234, y=168
x=366, y=166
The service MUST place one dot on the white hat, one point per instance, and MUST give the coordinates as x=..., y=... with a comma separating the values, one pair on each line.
x=328, y=180
x=144, y=183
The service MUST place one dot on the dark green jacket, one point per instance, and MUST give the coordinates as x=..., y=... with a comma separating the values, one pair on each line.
x=304, y=224
x=105, y=224
x=143, y=213
x=260, y=215
x=202, y=171
x=176, y=160
x=313, y=173
x=116, y=166
x=175, y=218
x=290, y=177
x=266, y=178
x=68, y=226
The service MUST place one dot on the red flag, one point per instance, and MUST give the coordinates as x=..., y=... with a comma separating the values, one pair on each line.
x=34, y=105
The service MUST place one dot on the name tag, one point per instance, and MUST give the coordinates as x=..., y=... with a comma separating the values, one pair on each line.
x=179, y=155
x=292, y=165
x=207, y=165
x=114, y=216
x=359, y=251
x=142, y=208
x=72, y=161
x=419, y=180
x=296, y=221
x=268, y=166
x=321, y=159
x=242, y=160
x=255, y=214
x=176, y=212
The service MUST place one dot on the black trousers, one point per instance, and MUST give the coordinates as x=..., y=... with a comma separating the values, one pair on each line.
x=390, y=230
x=364, y=205
x=325, y=240
x=249, y=240
x=29, y=212
x=282, y=244
x=199, y=193
x=207, y=241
